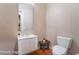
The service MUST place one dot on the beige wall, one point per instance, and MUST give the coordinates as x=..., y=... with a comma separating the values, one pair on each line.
x=8, y=26
x=39, y=23
x=63, y=19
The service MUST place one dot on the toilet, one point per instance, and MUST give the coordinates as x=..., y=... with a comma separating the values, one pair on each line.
x=63, y=44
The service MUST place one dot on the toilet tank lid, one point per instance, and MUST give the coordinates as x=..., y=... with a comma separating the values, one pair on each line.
x=68, y=38
x=27, y=36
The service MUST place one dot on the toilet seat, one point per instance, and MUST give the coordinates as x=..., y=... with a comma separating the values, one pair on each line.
x=59, y=50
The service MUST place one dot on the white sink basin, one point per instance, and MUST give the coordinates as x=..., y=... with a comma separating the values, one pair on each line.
x=26, y=36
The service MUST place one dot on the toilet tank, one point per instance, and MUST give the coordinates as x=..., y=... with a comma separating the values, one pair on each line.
x=64, y=41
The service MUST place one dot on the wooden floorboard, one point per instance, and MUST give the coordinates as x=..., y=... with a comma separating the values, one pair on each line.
x=42, y=52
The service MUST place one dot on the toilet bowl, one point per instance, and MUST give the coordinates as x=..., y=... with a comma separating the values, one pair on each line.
x=63, y=44
x=59, y=50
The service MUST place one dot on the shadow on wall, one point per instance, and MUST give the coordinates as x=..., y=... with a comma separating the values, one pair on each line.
x=74, y=48
x=16, y=47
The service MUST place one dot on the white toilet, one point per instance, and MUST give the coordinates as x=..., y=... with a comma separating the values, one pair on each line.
x=63, y=44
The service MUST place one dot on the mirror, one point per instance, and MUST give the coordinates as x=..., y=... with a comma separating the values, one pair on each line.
x=25, y=19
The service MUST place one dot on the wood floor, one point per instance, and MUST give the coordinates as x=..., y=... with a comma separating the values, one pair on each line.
x=42, y=52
